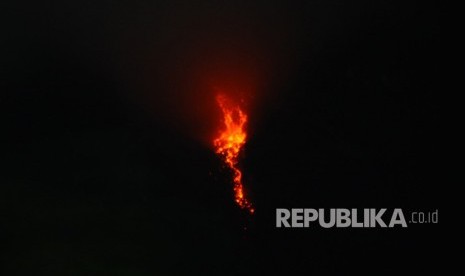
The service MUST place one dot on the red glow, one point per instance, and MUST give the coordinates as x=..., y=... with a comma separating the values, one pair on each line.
x=229, y=144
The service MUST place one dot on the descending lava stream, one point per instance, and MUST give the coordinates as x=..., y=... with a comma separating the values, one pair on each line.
x=229, y=144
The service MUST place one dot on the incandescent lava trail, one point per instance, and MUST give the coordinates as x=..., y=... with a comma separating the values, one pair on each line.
x=229, y=144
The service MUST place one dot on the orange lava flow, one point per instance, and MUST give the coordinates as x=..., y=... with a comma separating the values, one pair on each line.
x=229, y=144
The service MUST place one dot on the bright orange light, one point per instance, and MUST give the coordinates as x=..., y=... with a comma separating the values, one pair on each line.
x=229, y=144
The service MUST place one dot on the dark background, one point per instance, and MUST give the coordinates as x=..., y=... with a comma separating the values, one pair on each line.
x=103, y=174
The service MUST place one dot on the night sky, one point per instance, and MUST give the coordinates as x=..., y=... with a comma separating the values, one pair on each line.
x=107, y=113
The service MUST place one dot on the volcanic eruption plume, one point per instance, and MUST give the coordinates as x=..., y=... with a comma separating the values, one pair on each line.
x=229, y=143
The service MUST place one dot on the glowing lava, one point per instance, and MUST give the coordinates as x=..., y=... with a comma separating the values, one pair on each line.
x=229, y=144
